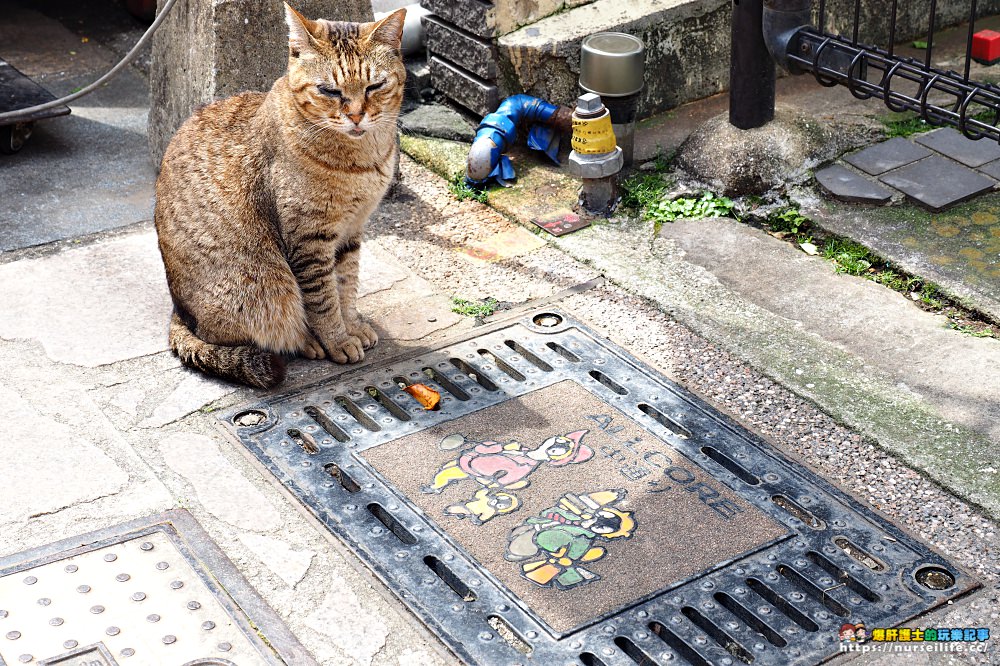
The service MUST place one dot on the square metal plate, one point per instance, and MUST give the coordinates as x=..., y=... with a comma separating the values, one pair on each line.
x=153, y=591
x=566, y=504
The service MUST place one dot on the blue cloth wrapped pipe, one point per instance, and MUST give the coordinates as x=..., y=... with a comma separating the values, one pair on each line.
x=497, y=132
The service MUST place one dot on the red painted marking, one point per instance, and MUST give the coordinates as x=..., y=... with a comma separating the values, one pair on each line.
x=986, y=47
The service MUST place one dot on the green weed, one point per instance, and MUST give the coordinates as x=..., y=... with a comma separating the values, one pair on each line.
x=981, y=331
x=685, y=208
x=642, y=190
x=904, y=124
x=463, y=191
x=789, y=220
x=471, y=309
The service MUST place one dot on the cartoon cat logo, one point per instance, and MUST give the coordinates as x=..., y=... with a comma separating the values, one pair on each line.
x=554, y=545
x=500, y=468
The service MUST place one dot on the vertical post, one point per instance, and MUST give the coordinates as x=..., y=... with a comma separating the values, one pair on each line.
x=751, y=68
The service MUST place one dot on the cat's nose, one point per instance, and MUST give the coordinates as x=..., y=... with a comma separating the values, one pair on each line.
x=356, y=117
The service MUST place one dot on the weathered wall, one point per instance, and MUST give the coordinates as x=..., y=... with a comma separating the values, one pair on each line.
x=687, y=50
x=911, y=21
x=210, y=49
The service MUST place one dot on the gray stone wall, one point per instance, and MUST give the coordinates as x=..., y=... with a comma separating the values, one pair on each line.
x=210, y=49
x=911, y=21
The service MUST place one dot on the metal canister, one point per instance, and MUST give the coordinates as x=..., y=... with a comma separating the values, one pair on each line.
x=612, y=65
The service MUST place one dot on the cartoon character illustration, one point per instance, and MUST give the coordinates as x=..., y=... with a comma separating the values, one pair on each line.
x=485, y=504
x=508, y=465
x=860, y=633
x=846, y=633
x=553, y=545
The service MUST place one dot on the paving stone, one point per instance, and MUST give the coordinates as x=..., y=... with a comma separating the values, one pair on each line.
x=503, y=245
x=849, y=186
x=952, y=143
x=991, y=169
x=937, y=183
x=887, y=155
x=46, y=465
x=288, y=564
x=362, y=637
x=477, y=55
x=379, y=270
x=439, y=121
x=221, y=489
x=480, y=97
x=194, y=391
x=414, y=319
x=92, y=305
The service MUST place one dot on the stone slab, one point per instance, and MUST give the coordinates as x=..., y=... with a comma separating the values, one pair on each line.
x=503, y=245
x=991, y=169
x=476, y=16
x=937, y=183
x=451, y=42
x=952, y=143
x=480, y=97
x=46, y=465
x=92, y=305
x=657, y=533
x=438, y=121
x=851, y=187
x=891, y=154
x=194, y=391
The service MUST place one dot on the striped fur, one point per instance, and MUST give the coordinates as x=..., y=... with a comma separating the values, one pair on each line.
x=262, y=199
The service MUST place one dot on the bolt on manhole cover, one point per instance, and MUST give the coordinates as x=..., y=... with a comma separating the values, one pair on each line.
x=566, y=504
x=153, y=591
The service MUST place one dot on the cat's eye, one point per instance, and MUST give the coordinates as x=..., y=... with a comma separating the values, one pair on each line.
x=330, y=91
x=375, y=86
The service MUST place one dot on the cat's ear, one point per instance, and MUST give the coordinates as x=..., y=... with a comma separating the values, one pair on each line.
x=300, y=39
x=390, y=29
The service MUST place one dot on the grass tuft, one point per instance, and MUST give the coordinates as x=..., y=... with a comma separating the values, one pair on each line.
x=472, y=309
x=463, y=191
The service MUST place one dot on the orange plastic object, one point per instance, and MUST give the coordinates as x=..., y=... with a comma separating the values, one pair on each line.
x=424, y=394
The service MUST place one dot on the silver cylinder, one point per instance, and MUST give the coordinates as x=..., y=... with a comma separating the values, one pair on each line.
x=612, y=65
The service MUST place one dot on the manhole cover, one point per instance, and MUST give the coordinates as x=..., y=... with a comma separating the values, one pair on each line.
x=155, y=591
x=566, y=504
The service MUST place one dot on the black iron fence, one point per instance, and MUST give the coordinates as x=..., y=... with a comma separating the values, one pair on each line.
x=840, y=42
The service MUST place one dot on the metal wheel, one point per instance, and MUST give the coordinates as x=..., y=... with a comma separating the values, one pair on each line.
x=13, y=137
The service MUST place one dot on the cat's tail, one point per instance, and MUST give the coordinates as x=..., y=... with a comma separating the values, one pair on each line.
x=246, y=364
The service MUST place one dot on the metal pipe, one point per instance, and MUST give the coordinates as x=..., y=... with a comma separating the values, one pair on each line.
x=612, y=65
x=751, y=69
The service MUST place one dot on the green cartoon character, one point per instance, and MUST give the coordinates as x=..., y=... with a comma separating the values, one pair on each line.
x=553, y=546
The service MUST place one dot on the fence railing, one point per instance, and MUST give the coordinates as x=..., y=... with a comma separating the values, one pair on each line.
x=905, y=83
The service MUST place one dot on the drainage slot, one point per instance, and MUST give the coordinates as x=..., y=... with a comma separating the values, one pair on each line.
x=741, y=472
x=449, y=578
x=838, y=573
x=797, y=511
x=400, y=381
x=348, y=483
x=588, y=659
x=661, y=418
x=326, y=424
x=634, y=652
x=727, y=642
x=305, y=440
x=388, y=404
x=507, y=632
x=858, y=554
x=751, y=620
x=390, y=522
x=529, y=356
x=782, y=604
x=504, y=366
x=677, y=645
x=446, y=384
x=474, y=373
x=348, y=406
x=609, y=383
x=562, y=351
x=813, y=590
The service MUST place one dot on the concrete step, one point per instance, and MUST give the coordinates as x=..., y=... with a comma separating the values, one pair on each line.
x=687, y=50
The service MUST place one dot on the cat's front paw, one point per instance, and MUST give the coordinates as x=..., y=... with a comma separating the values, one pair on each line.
x=346, y=350
x=312, y=349
x=363, y=331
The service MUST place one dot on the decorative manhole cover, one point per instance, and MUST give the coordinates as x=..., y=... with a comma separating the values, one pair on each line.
x=155, y=591
x=567, y=505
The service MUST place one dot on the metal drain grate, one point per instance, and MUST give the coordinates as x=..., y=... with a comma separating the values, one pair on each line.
x=568, y=505
x=154, y=591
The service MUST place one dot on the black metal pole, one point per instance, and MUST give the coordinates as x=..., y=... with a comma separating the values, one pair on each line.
x=751, y=68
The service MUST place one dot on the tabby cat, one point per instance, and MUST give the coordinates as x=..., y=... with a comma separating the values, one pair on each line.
x=262, y=198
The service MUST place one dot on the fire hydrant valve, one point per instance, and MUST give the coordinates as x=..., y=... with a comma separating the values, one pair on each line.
x=595, y=154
